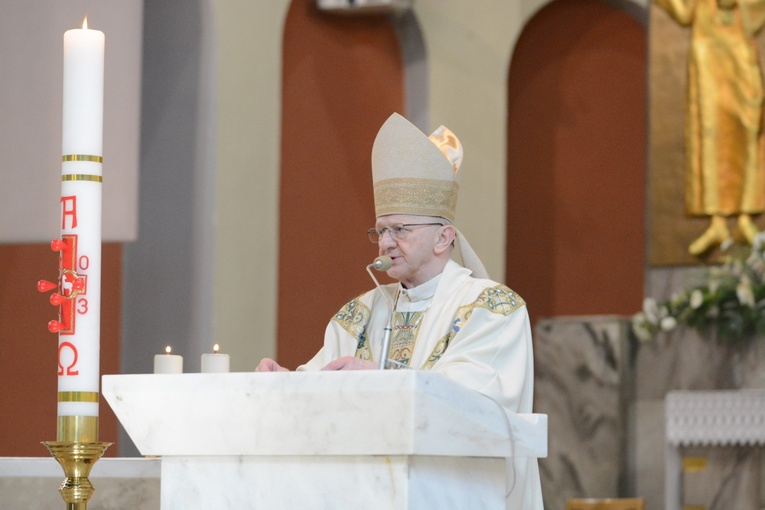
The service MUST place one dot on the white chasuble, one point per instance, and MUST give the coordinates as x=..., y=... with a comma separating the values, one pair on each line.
x=473, y=331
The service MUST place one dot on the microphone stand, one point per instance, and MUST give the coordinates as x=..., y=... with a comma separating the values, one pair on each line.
x=386, y=341
x=383, y=263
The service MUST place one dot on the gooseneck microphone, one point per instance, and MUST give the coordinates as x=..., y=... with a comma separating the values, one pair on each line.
x=383, y=263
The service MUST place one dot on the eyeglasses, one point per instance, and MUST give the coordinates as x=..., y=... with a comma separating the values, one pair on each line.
x=398, y=231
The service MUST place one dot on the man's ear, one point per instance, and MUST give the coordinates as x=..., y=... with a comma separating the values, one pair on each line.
x=446, y=235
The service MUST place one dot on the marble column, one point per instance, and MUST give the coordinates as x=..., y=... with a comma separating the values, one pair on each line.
x=582, y=382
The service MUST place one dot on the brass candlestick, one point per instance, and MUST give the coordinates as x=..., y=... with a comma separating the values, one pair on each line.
x=77, y=449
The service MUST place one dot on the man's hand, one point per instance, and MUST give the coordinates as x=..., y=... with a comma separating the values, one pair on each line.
x=349, y=363
x=269, y=365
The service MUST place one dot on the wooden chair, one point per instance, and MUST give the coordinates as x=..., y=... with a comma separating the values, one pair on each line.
x=606, y=504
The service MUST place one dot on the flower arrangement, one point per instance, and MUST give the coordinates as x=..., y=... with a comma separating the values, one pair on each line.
x=729, y=302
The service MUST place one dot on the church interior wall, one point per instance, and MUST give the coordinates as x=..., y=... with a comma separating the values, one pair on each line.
x=31, y=49
x=216, y=236
x=235, y=207
x=334, y=99
x=576, y=161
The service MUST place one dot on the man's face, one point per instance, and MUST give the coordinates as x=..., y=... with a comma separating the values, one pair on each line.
x=412, y=251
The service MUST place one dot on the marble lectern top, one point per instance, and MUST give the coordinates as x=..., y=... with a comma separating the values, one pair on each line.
x=391, y=412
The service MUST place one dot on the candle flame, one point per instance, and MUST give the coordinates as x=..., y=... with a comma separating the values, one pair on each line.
x=85, y=23
x=168, y=350
x=216, y=347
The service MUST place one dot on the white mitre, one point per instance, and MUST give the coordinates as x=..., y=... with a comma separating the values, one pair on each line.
x=418, y=175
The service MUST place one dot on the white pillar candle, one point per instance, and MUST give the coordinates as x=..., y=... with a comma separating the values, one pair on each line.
x=79, y=323
x=168, y=363
x=215, y=362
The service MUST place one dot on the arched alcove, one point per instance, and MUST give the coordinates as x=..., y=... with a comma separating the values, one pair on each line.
x=576, y=161
x=342, y=77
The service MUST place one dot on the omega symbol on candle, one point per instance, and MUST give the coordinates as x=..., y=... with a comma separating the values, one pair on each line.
x=71, y=360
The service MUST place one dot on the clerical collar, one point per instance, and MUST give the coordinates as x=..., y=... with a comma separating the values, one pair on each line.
x=420, y=293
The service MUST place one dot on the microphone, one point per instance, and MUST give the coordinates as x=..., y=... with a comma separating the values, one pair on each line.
x=383, y=263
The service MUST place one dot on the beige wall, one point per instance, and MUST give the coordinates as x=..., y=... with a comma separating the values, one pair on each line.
x=247, y=60
x=467, y=92
x=469, y=46
x=31, y=102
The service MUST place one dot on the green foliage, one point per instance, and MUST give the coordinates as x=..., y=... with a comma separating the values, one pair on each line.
x=729, y=302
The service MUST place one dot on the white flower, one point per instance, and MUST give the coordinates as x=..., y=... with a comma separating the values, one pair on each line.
x=755, y=265
x=697, y=299
x=641, y=328
x=744, y=292
x=643, y=334
x=758, y=243
x=727, y=243
x=741, y=275
x=668, y=323
x=651, y=311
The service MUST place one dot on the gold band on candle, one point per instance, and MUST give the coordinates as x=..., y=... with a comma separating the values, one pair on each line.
x=77, y=429
x=82, y=157
x=78, y=396
x=82, y=177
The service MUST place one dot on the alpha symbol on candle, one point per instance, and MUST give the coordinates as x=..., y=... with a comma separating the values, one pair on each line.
x=69, y=211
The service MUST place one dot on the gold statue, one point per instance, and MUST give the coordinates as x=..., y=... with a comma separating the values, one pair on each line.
x=725, y=174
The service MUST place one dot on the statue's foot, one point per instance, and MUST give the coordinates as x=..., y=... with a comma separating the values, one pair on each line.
x=711, y=238
x=746, y=229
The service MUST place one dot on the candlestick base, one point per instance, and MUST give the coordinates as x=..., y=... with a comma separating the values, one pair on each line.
x=77, y=459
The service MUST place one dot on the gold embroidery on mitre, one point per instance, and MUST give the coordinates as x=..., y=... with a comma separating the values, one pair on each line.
x=449, y=145
x=421, y=197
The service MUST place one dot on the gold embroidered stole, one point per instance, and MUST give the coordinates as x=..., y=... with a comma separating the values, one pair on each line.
x=406, y=325
x=354, y=318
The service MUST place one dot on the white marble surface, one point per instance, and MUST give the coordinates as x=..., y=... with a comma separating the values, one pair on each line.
x=327, y=482
x=399, y=439
x=33, y=482
x=606, y=401
x=106, y=467
x=394, y=412
x=582, y=381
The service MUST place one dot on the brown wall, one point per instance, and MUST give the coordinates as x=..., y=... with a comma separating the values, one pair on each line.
x=342, y=78
x=576, y=161
x=28, y=359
